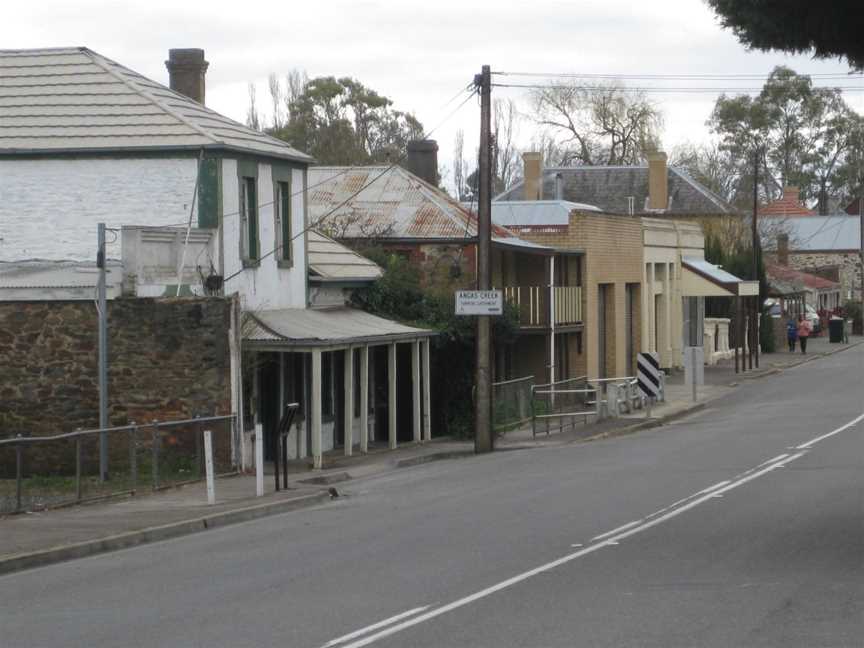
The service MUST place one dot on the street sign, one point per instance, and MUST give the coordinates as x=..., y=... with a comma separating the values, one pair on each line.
x=479, y=302
x=648, y=374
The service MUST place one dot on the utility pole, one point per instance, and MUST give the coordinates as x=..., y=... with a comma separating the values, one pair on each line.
x=861, y=236
x=754, y=337
x=102, y=307
x=483, y=438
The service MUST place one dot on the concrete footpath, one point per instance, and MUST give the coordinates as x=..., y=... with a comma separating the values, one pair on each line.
x=35, y=539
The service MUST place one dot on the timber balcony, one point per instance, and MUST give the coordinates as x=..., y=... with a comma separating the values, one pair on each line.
x=532, y=302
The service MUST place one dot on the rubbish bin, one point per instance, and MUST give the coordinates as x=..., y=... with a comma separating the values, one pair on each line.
x=835, y=331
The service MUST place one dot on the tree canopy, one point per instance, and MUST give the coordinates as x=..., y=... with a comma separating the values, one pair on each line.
x=338, y=121
x=829, y=29
x=806, y=136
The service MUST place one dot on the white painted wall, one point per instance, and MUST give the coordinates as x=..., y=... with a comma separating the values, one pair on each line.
x=267, y=286
x=49, y=209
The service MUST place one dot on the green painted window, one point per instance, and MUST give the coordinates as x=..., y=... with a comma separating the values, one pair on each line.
x=249, y=218
x=283, y=221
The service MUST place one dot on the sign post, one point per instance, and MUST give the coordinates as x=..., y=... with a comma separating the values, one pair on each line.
x=208, y=465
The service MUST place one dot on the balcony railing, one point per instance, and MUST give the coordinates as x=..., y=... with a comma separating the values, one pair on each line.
x=532, y=303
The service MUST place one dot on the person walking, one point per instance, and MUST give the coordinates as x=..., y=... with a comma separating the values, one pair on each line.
x=791, y=333
x=804, y=328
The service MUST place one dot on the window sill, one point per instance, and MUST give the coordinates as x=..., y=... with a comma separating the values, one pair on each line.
x=251, y=263
x=284, y=264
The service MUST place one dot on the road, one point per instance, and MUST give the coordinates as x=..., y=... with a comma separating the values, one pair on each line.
x=740, y=526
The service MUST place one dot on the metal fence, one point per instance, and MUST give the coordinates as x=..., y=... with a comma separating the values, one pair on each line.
x=511, y=403
x=51, y=471
x=555, y=406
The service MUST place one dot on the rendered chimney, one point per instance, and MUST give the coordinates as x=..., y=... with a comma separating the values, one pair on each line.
x=783, y=249
x=423, y=160
x=532, y=187
x=658, y=187
x=186, y=70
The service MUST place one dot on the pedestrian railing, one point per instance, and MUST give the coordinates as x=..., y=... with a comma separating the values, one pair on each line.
x=39, y=472
x=555, y=406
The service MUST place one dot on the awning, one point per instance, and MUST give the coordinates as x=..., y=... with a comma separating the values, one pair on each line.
x=332, y=262
x=307, y=329
x=703, y=279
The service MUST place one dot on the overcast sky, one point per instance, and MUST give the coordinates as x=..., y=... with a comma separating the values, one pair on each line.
x=417, y=53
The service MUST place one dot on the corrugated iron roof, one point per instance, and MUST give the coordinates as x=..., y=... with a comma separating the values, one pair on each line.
x=536, y=213
x=392, y=204
x=332, y=261
x=73, y=99
x=833, y=233
x=304, y=327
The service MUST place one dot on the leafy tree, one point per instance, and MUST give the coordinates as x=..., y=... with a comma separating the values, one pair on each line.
x=595, y=125
x=339, y=121
x=803, y=134
x=828, y=29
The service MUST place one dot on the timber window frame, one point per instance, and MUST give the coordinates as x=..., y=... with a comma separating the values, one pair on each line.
x=282, y=214
x=247, y=190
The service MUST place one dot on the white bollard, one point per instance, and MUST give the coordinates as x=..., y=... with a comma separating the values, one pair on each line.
x=259, y=460
x=208, y=466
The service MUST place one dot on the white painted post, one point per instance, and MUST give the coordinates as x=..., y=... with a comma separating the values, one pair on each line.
x=349, y=401
x=317, y=459
x=364, y=399
x=208, y=467
x=415, y=389
x=259, y=459
x=427, y=412
x=391, y=394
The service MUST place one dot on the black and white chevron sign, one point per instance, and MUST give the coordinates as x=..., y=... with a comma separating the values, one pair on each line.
x=648, y=374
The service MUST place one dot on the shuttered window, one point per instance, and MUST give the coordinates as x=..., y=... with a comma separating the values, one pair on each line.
x=283, y=221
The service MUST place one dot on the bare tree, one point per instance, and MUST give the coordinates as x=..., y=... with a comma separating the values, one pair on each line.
x=277, y=98
x=605, y=124
x=459, y=165
x=253, y=117
x=295, y=85
x=505, y=155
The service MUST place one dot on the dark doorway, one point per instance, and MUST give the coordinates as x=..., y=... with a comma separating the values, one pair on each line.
x=268, y=400
x=379, y=395
x=404, y=394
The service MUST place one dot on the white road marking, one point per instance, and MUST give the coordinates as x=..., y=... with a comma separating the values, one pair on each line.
x=707, y=494
x=777, y=458
x=810, y=444
x=374, y=626
x=614, y=531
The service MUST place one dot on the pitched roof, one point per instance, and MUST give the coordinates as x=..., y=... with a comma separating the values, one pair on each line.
x=392, y=204
x=73, y=99
x=611, y=187
x=797, y=277
x=332, y=261
x=833, y=233
x=789, y=205
x=536, y=213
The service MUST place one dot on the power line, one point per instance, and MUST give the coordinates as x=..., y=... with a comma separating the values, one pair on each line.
x=688, y=77
x=663, y=89
x=358, y=191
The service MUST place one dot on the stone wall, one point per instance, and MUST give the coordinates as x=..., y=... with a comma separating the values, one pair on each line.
x=168, y=359
x=848, y=265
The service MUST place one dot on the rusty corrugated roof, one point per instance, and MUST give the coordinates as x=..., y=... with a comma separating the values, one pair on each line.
x=392, y=203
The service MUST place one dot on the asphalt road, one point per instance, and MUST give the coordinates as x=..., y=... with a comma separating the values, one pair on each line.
x=742, y=526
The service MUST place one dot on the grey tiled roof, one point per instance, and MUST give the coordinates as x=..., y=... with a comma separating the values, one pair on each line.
x=73, y=99
x=610, y=187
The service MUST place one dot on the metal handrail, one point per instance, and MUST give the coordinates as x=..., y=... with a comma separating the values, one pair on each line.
x=122, y=428
x=565, y=391
x=512, y=380
x=563, y=382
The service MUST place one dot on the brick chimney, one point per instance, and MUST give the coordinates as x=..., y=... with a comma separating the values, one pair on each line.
x=532, y=188
x=658, y=187
x=422, y=160
x=783, y=249
x=186, y=70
